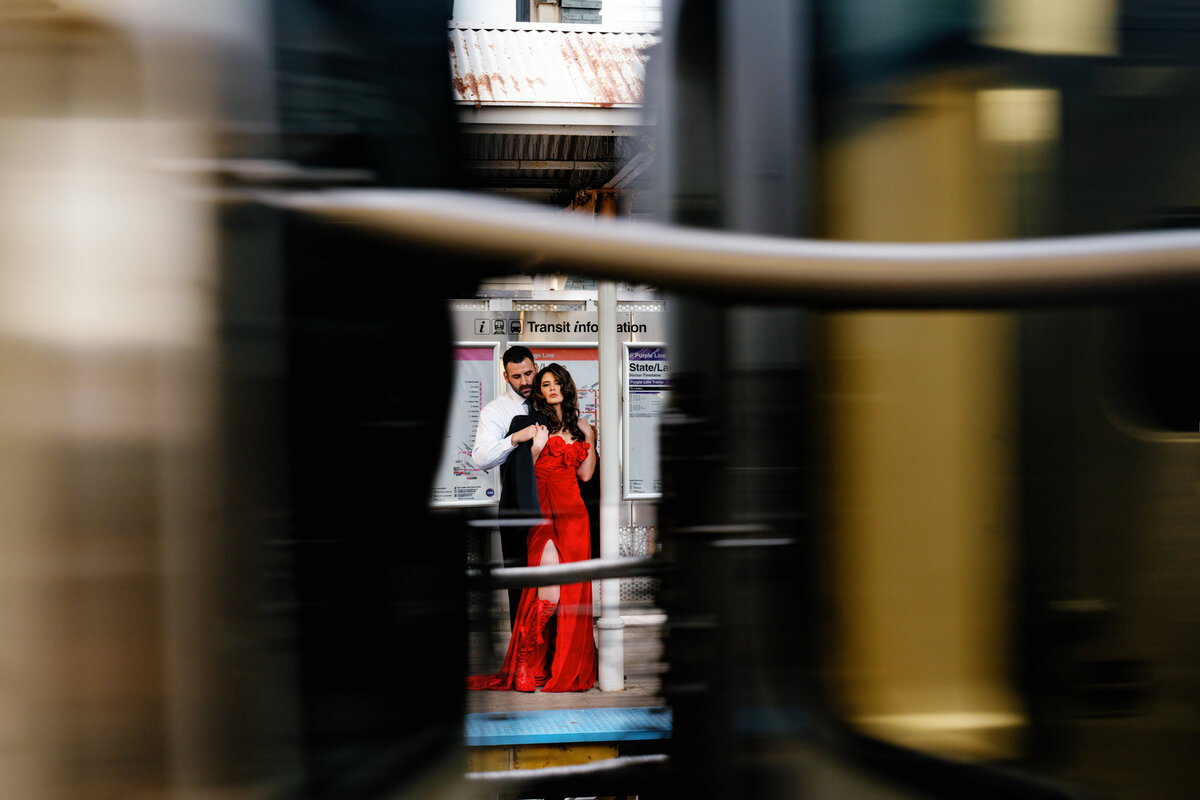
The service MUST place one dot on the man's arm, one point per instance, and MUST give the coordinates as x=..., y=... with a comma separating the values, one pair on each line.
x=492, y=442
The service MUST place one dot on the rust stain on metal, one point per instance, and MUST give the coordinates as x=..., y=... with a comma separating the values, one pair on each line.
x=548, y=67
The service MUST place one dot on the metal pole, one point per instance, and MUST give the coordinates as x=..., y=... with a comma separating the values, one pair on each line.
x=612, y=634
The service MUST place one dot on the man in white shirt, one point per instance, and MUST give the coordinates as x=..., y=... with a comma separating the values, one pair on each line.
x=506, y=429
x=493, y=440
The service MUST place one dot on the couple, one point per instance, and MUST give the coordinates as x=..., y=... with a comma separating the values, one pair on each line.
x=547, y=449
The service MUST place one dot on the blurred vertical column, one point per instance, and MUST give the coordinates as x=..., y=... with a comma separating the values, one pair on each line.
x=766, y=142
x=734, y=134
x=611, y=672
x=108, y=413
x=231, y=670
x=380, y=609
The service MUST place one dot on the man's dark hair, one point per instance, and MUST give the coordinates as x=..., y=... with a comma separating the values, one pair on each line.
x=516, y=354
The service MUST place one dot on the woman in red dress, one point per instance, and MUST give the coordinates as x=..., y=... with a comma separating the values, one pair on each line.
x=552, y=646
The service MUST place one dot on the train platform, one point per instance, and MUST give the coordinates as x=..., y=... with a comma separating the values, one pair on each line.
x=521, y=730
x=567, y=726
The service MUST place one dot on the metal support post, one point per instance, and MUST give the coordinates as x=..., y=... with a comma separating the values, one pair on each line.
x=612, y=634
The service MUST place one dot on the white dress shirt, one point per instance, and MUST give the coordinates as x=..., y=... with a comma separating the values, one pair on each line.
x=492, y=442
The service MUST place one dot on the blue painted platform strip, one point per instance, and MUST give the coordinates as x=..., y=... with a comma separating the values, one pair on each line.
x=564, y=726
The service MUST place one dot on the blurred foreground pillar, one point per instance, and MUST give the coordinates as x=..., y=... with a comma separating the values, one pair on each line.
x=108, y=417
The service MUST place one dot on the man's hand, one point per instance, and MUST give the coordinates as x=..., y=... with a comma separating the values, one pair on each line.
x=524, y=435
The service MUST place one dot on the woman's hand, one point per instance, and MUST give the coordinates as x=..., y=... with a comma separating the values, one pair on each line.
x=541, y=435
x=591, y=433
x=585, y=469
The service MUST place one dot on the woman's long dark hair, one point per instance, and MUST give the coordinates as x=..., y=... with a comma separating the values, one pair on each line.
x=570, y=403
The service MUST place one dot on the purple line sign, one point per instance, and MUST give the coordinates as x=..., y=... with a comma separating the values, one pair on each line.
x=647, y=380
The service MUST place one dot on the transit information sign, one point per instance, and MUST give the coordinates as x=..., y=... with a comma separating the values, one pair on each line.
x=476, y=382
x=647, y=380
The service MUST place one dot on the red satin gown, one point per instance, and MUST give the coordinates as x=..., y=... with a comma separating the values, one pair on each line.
x=565, y=652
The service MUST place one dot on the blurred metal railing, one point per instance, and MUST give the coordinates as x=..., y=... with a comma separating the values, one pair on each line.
x=621, y=770
x=574, y=572
x=813, y=272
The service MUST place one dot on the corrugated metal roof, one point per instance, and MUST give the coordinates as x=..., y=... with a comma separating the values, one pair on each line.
x=493, y=66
